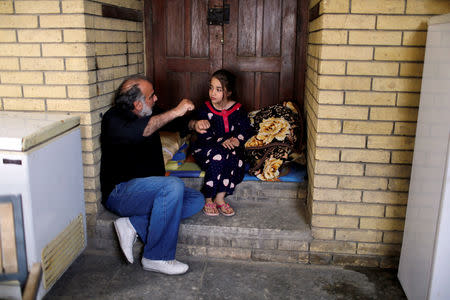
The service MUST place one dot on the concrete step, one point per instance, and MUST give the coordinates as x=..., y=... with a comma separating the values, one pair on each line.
x=259, y=233
x=269, y=225
x=261, y=192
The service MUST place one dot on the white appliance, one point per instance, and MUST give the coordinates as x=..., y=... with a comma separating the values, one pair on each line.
x=40, y=159
x=424, y=269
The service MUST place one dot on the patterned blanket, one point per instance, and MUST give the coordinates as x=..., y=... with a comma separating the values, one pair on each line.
x=279, y=138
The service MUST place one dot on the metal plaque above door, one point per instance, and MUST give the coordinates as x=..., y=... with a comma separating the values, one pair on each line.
x=219, y=15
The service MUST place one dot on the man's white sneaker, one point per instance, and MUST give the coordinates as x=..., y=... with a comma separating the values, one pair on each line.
x=127, y=237
x=169, y=267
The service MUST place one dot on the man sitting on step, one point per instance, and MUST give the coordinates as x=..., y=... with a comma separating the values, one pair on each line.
x=132, y=176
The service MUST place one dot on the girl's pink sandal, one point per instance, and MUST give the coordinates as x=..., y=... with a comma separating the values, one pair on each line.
x=223, y=208
x=211, y=207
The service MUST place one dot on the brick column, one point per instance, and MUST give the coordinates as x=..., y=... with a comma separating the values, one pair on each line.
x=365, y=62
x=63, y=56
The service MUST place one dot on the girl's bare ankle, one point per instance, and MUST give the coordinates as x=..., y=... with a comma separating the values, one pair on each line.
x=219, y=201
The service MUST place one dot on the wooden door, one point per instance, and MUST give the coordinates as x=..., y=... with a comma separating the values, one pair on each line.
x=258, y=45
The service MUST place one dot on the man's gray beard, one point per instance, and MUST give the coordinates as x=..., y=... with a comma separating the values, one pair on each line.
x=146, y=110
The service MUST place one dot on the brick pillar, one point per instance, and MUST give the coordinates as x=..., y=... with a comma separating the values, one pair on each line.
x=63, y=56
x=365, y=62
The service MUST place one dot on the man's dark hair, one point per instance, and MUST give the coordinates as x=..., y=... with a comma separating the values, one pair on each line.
x=128, y=92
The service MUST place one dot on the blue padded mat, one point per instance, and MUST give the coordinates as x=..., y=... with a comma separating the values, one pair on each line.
x=289, y=173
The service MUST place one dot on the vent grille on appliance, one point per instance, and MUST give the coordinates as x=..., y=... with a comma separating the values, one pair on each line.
x=62, y=251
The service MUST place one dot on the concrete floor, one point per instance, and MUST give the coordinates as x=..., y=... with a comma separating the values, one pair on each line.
x=98, y=276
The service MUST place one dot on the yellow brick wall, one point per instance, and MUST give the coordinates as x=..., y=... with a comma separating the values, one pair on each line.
x=364, y=71
x=63, y=56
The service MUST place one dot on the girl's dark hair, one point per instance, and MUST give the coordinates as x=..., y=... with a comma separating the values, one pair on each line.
x=227, y=80
x=125, y=98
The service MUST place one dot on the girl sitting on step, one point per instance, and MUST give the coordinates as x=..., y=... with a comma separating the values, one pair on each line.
x=219, y=150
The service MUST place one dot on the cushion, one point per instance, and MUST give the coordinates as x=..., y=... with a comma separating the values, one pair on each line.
x=171, y=142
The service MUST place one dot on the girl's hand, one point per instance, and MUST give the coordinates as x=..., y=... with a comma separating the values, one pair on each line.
x=231, y=143
x=201, y=126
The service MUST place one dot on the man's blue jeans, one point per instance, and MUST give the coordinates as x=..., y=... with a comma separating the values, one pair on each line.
x=155, y=206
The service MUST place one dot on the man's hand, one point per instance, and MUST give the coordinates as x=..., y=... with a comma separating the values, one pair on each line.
x=201, y=126
x=183, y=107
x=156, y=122
x=231, y=143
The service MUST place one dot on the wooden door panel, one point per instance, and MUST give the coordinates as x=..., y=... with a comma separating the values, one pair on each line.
x=247, y=19
x=271, y=28
x=199, y=87
x=270, y=86
x=188, y=83
x=199, y=46
x=175, y=28
x=261, y=87
x=176, y=80
x=246, y=89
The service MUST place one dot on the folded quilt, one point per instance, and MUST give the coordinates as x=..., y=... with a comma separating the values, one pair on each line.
x=279, y=132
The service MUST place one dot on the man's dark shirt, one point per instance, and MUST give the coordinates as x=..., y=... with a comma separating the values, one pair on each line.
x=126, y=153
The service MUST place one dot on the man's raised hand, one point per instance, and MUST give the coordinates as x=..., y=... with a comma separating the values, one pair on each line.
x=183, y=107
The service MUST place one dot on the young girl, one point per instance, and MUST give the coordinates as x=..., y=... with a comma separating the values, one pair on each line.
x=220, y=149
